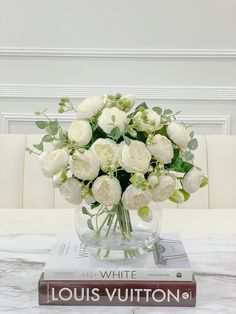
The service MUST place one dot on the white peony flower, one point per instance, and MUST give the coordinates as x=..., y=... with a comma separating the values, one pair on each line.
x=134, y=157
x=106, y=190
x=192, y=180
x=112, y=117
x=178, y=134
x=164, y=189
x=80, y=131
x=106, y=151
x=148, y=120
x=89, y=108
x=71, y=191
x=52, y=163
x=84, y=166
x=161, y=148
x=135, y=198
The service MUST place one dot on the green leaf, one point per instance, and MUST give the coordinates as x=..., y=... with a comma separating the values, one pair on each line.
x=94, y=205
x=63, y=176
x=61, y=110
x=158, y=110
x=115, y=133
x=191, y=134
x=53, y=127
x=186, y=166
x=90, y=224
x=39, y=146
x=85, y=211
x=188, y=156
x=167, y=112
x=47, y=138
x=143, y=105
x=145, y=213
x=127, y=140
x=41, y=124
x=193, y=144
x=185, y=194
x=204, y=182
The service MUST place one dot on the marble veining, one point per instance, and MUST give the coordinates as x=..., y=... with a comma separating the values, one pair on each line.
x=22, y=257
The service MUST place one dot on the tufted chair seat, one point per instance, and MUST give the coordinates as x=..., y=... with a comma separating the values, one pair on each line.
x=22, y=184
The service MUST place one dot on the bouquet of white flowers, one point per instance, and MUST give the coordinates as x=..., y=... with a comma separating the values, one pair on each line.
x=119, y=161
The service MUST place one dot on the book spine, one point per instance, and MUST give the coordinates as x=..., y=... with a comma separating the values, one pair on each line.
x=120, y=274
x=117, y=293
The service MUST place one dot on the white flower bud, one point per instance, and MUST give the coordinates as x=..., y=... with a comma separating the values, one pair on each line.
x=192, y=180
x=178, y=134
x=164, y=189
x=52, y=163
x=89, y=108
x=71, y=191
x=111, y=118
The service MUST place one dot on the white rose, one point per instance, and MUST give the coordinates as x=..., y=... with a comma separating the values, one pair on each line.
x=112, y=117
x=71, y=191
x=164, y=189
x=178, y=134
x=89, y=107
x=52, y=163
x=192, y=180
x=147, y=120
x=131, y=99
x=106, y=151
x=84, y=166
x=106, y=190
x=135, y=198
x=80, y=131
x=161, y=148
x=134, y=157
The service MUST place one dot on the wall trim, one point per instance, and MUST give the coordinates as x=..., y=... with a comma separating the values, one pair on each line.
x=222, y=121
x=118, y=53
x=141, y=92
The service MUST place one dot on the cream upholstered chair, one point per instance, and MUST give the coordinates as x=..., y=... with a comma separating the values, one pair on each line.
x=22, y=184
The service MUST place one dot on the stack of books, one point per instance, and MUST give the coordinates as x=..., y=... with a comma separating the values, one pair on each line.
x=162, y=277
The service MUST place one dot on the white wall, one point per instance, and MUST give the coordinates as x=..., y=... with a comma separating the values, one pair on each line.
x=179, y=54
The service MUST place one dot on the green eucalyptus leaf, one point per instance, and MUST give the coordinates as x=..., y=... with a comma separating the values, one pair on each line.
x=41, y=124
x=115, y=133
x=90, y=224
x=53, y=127
x=85, y=211
x=191, y=134
x=188, y=156
x=143, y=105
x=158, y=110
x=193, y=144
x=47, y=138
x=94, y=205
x=127, y=140
x=167, y=112
x=39, y=146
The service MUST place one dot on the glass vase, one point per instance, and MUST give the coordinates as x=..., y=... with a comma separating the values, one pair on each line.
x=117, y=233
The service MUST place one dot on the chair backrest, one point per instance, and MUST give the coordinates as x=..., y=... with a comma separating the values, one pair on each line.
x=22, y=184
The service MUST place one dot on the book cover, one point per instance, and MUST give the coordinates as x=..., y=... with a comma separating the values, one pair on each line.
x=70, y=260
x=113, y=293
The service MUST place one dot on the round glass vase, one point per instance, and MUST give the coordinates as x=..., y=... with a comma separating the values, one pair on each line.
x=117, y=233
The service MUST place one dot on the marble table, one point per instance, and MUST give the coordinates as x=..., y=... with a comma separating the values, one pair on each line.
x=22, y=257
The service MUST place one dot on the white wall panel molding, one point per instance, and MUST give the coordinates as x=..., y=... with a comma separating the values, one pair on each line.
x=223, y=122
x=142, y=92
x=118, y=53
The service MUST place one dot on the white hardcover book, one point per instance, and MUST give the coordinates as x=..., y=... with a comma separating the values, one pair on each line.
x=70, y=260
